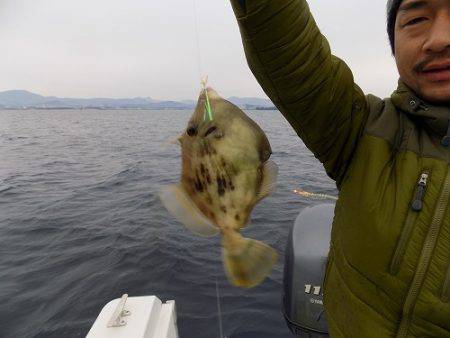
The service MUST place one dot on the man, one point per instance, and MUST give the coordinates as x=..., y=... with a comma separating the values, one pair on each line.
x=389, y=265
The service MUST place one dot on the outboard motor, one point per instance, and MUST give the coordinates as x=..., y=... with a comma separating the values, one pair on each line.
x=304, y=271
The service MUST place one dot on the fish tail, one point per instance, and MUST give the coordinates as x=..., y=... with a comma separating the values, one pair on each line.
x=247, y=261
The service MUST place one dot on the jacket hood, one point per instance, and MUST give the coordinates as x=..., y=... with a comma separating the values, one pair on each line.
x=435, y=118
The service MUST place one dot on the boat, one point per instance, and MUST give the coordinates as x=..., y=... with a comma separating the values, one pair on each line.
x=304, y=270
x=136, y=317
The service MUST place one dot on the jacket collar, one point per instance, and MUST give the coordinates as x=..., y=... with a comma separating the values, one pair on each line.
x=435, y=118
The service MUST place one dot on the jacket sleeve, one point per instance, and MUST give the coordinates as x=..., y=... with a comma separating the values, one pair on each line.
x=313, y=89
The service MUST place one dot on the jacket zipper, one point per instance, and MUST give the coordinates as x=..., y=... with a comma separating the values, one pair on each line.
x=425, y=258
x=413, y=212
x=446, y=288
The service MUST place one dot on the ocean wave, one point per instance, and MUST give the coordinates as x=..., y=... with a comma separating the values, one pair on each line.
x=81, y=223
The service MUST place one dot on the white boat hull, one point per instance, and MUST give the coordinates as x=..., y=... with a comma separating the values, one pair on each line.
x=136, y=317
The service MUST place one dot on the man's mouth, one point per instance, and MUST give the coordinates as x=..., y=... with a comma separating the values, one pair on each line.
x=437, y=71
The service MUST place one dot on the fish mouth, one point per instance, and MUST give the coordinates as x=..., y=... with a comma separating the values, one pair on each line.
x=212, y=94
x=203, y=121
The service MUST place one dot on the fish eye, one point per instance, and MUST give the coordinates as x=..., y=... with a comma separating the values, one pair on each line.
x=191, y=131
x=210, y=130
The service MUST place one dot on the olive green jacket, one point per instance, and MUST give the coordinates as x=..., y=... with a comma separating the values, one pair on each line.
x=389, y=266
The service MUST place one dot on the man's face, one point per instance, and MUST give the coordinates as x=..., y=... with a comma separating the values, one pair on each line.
x=422, y=48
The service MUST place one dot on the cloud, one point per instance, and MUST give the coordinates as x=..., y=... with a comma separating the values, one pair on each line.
x=149, y=48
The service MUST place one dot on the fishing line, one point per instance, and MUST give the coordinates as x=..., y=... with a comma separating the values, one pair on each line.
x=219, y=311
x=197, y=39
x=208, y=110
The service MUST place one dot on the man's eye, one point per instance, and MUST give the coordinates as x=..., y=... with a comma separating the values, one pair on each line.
x=415, y=21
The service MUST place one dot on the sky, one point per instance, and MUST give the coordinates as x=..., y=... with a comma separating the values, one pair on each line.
x=149, y=48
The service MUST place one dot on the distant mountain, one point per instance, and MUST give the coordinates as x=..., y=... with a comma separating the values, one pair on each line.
x=19, y=97
x=22, y=99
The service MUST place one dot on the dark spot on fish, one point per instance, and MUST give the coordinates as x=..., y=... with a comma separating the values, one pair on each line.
x=220, y=187
x=208, y=178
x=205, y=174
x=210, y=130
x=229, y=172
x=227, y=182
x=198, y=184
x=236, y=217
x=223, y=208
x=224, y=182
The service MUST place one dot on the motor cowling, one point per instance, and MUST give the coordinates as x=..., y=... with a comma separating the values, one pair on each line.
x=304, y=270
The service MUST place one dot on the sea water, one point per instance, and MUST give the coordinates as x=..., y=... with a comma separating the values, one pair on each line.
x=81, y=224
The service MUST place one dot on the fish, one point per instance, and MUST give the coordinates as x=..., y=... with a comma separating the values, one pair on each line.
x=225, y=172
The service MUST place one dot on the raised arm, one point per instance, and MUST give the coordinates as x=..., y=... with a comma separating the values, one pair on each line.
x=313, y=89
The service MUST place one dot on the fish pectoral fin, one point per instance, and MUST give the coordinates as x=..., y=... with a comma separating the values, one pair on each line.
x=178, y=203
x=249, y=262
x=269, y=181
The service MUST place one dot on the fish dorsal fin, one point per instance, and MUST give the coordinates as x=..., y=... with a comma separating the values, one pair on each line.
x=269, y=179
x=184, y=210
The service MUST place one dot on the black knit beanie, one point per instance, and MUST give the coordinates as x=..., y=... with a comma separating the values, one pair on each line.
x=392, y=9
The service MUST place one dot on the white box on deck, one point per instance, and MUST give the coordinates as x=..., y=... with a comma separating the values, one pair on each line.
x=149, y=318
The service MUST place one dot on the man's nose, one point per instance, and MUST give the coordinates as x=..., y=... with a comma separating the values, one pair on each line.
x=439, y=37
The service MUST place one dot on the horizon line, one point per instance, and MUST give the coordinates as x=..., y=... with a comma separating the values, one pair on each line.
x=124, y=97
